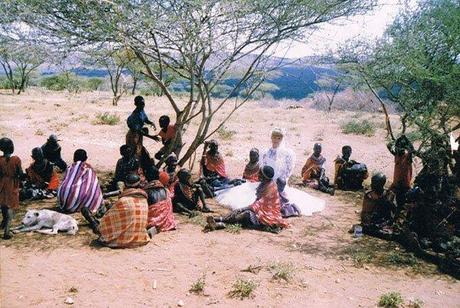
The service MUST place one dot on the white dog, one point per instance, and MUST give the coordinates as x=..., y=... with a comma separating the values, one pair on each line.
x=34, y=220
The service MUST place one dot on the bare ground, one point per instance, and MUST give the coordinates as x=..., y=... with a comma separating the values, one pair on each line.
x=328, y=267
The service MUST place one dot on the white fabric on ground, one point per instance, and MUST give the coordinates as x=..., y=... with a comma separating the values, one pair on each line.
x=245, y=194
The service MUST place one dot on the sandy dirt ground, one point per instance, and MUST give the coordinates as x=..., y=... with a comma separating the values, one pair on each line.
x=326, y=267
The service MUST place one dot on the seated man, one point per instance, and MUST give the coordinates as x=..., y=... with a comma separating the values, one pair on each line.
x=124, y=225
x=251, y=171
x=313, y=172
x=80, y=187
x=167, y=134
x=264, y=212
x=160, y=213
x=42, y=181
x=187, y=195
x=378, y=207
x=52, y=152
x=349, y=174
x=127, y=164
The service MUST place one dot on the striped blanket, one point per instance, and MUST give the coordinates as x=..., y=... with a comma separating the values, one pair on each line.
x=161, y=213
x=80, y=188
x=125, y=224
x=267, y=205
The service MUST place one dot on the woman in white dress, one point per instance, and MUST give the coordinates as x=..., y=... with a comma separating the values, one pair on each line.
x=282, y=160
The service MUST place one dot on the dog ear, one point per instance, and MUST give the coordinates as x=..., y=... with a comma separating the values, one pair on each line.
x=36, y=214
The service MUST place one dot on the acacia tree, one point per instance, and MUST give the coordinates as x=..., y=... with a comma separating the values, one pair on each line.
x=198, y=40
x=417, y=64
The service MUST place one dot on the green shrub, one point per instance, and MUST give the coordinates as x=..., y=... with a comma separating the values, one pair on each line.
x=242, y=289
x=282, y=271
x=65, y=81
x=233, y=228
x=391, y=300
x=357, y=127
x=93, y=84
x=198, y=286
x=106, y=119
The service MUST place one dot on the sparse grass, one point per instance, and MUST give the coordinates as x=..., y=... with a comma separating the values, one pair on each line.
x=253, y=269
x=106, y=119
x=198, y=286
x=391, y=299
x=242, y=289
x=416, y=303
x=233, y=228
x=401, y=259
x=282, y=271
x=225, y=133
x=198, y=219
x=73, y=290
x=39, y=132
x=356, y=127
x=360, y=258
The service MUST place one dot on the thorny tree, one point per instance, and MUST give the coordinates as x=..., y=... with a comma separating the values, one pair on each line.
x=198, y=40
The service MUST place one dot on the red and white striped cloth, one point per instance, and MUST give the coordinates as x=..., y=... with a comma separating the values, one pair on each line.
x=80, y=188
x=267, y=205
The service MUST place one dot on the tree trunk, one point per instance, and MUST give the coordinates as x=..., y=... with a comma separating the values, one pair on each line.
x=133, y=91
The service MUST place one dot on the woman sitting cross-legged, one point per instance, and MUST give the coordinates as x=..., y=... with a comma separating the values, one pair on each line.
x=264, y=212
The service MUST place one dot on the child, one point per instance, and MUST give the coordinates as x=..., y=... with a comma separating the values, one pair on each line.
x=10, y=175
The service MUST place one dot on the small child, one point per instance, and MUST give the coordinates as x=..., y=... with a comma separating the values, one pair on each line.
x=10, y=176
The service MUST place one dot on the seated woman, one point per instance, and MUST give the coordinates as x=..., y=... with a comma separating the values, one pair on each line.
x=349, y=174
x=264, y=212
x=282, y=160
x=378, y=207
x=80, y=187
x=124, y=225
x=160, y=213
x=127, y=164
x=213, y=165
x=313, y=173
x=187, y=195
x=42, y=180
x=251, y=171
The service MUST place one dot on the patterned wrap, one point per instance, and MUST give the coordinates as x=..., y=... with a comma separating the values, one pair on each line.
x=311, y=169
x=125, y=224
x=267, y=205
x=160, y=214
x=80, y=188
x=215, y=163
x=10, y=169
x=251, y=172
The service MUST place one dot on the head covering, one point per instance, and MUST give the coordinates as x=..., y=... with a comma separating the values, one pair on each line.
x=164, y=178
x=53, y=138
x=277, y=132
x=132, y=181
x=268, y=172
x=37, y=153
x=171, y=157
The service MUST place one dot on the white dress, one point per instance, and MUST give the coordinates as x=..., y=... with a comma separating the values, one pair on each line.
x=282, y=161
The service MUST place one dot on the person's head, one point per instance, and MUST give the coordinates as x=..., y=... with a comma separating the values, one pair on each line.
x=152, y=173
x=6, y=146
x=80, y=155
x=213, y=146
x=317, y=148
x=254, y=155
x=126, y=151
x=132, y=181
x=164, y=121
x=171, y=160
x=52, y=139
x=164, y=178
x=346, y=152
x=266, y=173
x=401, y=144
x=378, y=182
x=37, y=154
x=184, y=176
x=277, y=137
x=139, y=102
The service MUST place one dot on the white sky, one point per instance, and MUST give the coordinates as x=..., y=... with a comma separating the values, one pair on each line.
x=330, y=36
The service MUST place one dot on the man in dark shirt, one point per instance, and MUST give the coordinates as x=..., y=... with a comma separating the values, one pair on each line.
x=136, y=121
x=52, y=152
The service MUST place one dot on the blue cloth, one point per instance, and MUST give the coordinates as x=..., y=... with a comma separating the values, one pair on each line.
x=137, y=119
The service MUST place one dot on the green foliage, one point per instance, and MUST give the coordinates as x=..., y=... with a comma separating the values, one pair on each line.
x=198, y=286
x=360, y=258
x=65, y=81
x=282, y=271
x=401, y=259
x=225, y=133
x=106, y=119
x=242, y=289
x=391, y=300
x=359, y=127
x=93, y=84
x=233, y=228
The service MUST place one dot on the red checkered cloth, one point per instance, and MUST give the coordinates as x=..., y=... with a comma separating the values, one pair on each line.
x=125, y=224
x=267, y=205
x=215, y=163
